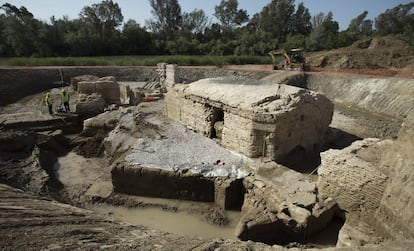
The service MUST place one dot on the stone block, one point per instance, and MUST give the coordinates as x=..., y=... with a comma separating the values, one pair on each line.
x=86, y=87
x=109, y=89
x=354, y=183
x=90, y=104
x=84, y=78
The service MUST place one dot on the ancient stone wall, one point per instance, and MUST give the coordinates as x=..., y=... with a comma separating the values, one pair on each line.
x=154, y=182
x=252, y=117
x=238, y=135
x=107, y=87
x=351, y=178
x=16, y=83
x=175, y=100
x=196, y=115
x=396, y=208
x=161, y=183
x=373, y=179
x=171, y=76
x=75, y=80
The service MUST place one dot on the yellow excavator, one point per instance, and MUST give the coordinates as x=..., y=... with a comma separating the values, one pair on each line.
x=293, y=59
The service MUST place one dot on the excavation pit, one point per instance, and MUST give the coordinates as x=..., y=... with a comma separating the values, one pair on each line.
x=139, y=167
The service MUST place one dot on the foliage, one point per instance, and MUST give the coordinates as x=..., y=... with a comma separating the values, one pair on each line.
x=167, y=17
x=302, y=21
x=100, y=31
x=229, y=15
x=277, y=18
x=324, y=34
x=135, y=39
x=19, y=30
x=194, y=22
x=294, y=41
x=399, y=20
x=104, y=17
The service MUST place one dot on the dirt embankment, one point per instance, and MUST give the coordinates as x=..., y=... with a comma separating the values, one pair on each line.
x=29, y=222
x=381, y=56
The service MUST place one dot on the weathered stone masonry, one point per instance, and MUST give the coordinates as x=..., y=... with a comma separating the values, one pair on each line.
x=252, y=117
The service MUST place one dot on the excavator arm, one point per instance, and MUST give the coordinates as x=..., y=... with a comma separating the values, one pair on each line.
x=295, y=59
x=282, y=53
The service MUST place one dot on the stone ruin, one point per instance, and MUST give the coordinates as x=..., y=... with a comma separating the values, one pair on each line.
x=255, y=118
x=96, y=93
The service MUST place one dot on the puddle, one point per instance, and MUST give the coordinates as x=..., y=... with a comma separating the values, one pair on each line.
x=181, y=223
x=76, y=171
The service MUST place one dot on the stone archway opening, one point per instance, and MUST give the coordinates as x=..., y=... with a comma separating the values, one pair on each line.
x=217, y=123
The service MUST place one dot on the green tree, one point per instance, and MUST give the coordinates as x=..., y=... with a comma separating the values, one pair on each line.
x=194, y=22
x=57, y=31
x=358, y=28
x=105, y=17
x=4, y=47
x=277, y=18
x=167, y=18
x=398, y=20
x=317, y=20
x=82, y=39
x=325, y=33
x=294, y=41
x=135, y=39
x=213, y=32
x=19, y=31
x=229, y=15
x=366, y=27
x=98, y=27
x=357, y=25
x=254, y=43
x=302, y=21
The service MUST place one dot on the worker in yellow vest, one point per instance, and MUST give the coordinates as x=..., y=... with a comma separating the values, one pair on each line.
x=65, y=100
x=49, y=102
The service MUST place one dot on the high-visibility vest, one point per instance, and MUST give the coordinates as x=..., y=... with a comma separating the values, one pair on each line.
x=48, y=100
x=65, y=97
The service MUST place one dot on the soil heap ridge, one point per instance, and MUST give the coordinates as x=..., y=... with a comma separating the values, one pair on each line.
x=386, y=52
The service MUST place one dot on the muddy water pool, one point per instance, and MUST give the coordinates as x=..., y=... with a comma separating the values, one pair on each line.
x=76, y=172
x=182, y=223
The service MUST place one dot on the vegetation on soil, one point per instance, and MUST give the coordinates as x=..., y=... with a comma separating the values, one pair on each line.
x=134, y=60
x=100, y=30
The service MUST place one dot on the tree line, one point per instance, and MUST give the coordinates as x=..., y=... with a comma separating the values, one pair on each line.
x=100, y=30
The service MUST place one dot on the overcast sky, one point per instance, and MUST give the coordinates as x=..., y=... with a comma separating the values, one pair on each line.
x=343, y=10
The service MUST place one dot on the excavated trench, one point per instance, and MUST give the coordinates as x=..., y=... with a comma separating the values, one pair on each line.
x=218, y=178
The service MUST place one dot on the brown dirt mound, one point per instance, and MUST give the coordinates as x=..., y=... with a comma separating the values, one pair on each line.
x=92, y=146
x=386, y=52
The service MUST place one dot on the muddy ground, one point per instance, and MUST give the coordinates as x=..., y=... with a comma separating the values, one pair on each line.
x=83, y=179
x=45, y=206
x=33, y=219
